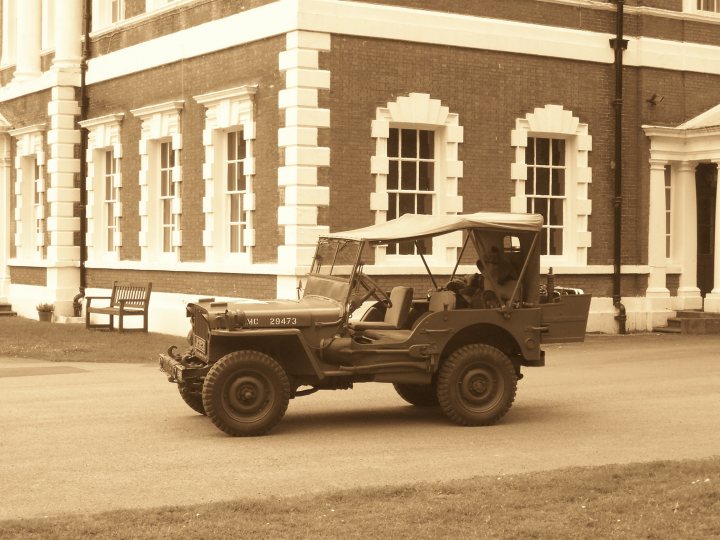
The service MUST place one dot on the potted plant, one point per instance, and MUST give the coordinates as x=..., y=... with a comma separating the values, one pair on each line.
x=45, y=312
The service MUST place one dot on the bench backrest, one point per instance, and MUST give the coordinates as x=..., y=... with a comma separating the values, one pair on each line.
x=134, y=295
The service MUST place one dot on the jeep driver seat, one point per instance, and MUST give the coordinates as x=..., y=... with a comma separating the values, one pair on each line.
x=395, y=316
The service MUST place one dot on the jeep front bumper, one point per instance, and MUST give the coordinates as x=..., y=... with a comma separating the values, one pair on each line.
x=178, y=372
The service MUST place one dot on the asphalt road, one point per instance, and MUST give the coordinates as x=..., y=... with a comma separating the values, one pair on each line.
x=85, y=438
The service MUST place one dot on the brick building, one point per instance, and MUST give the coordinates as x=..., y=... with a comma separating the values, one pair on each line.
x=208, y=143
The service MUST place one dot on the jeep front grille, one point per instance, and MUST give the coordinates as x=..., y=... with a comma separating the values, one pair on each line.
x=200, y=326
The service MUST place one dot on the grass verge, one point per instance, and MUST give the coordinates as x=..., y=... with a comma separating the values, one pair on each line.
x=25, y=338
x=652, y=501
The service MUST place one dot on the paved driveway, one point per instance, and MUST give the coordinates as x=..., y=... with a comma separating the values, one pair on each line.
x=91, y=437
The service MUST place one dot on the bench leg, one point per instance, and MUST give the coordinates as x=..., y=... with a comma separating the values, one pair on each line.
x=120, y=323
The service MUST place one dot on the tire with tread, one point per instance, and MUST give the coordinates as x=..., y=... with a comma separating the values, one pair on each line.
x=246, y=393
x=193, y=399
x=476, y=385
x=420, y=395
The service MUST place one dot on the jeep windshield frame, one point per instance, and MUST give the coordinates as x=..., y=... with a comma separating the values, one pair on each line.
x=333, y=268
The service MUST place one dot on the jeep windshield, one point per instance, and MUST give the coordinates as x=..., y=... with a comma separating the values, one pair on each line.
x=332, y=268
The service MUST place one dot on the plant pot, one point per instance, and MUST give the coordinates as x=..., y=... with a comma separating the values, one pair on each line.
x=45, y=316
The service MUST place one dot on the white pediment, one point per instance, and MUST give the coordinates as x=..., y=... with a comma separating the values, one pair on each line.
x=710, y=118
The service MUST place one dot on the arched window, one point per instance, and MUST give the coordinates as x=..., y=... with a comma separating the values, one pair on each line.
x=551, y=177
x=416, y=170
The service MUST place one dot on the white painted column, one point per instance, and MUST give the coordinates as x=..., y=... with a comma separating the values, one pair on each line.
x=712, y=299
x=299, y=137
x=685, y=243
x=657, y=260
x=63, y=256
x=8, y=33
x=657, y=296
x=5, y=212
x=68, y=33
x=27, y=50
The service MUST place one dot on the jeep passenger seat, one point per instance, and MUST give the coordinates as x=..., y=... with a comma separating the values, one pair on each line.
x=395, y=316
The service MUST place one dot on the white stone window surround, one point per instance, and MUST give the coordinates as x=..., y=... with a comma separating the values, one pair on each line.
x=160, y=123
x=227, y=110
x=554, y=121
x=420, y=111
x=29, y=154
x=103, y=135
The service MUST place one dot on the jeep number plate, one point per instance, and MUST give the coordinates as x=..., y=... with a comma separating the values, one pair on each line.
x=200, y=344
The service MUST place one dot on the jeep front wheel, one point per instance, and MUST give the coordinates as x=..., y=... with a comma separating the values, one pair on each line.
x=476, y=385
x=193, y=399
x=246, y=393
x=420, y=395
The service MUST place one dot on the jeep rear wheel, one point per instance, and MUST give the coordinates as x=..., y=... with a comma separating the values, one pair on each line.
x=420, y=395
x=246, y=393
x=476, y=385
x=193, y=399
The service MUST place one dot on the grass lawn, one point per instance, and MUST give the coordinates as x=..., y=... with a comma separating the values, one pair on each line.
x=25, y=338
x=673, y=500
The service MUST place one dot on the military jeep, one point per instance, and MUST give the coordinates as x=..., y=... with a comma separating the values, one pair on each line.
x=457, y=342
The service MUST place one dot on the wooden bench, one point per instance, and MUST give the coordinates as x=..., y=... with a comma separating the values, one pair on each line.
x=125, y=300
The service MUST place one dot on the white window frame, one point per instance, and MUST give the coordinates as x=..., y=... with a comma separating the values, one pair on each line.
x=9, y=29
x=103, y=136
x=691, y=6
x=419, y=111
x=552, y=121
x=669, y=211
x=550, y=196
x=227, y=110
x=165, y=157
x=30, y=189
x=103, y=14
x=160, y=123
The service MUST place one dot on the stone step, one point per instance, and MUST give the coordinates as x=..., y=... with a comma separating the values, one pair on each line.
x=696, y=314
x=6, y=310
x=668, y=330
x=694, y=325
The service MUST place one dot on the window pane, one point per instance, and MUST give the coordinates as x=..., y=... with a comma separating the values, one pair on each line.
x=424, y=204
x=427, y=144
x=164, y=155
x=393, y=142
x=530, y=182
x=408, y=142
x=530, y=151
x=556, y=241
x=406, y=248
x=541, y=207
x=409, y=175
x=530, y=206
x=241, y=180
x=392, y=206
x=543, y=241
x=558, y=152
x=392, y=181
x=231, y=180
x=542, y=184
x=542, y=152
x=407, y=204
x=427, y=171
x=235, y=207
x=558, y=182
x=231, y=146
x=556, y=212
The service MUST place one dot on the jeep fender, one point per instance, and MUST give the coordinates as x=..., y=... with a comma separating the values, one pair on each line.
x=286, y=345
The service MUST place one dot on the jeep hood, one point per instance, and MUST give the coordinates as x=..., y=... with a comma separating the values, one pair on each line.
x=270, y=313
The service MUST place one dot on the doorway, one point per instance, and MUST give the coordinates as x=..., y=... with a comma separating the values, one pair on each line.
x=706, y=176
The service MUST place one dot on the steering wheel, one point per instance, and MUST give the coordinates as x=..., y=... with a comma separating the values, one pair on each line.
x=372, y=289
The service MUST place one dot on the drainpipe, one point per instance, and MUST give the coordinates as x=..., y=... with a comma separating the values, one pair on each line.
x=77, y=306
x=618, y=44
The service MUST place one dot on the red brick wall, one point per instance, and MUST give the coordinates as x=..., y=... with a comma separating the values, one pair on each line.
x=25, y=275
x=252, y=64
